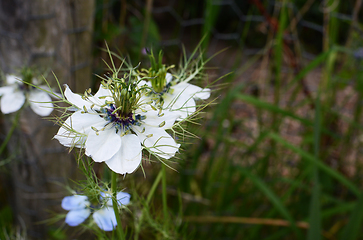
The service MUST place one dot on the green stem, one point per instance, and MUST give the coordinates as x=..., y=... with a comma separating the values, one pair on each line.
x=148, y=199
x=153, y=187
x=115, y=205
x=10, y=133
x=145, y=30
x=165, y=203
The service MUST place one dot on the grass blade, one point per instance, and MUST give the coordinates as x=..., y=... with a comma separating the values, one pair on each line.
x=307, y=156
x=273, y=108
x=353, y=228
x=314, y=232
x=272, y=197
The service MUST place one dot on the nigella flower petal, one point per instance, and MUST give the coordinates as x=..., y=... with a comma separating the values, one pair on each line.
x=168, y=77
x=102, y=145
x=143, y=83
x=203, y=94
x=128, y=158
x=6, y=89
x=179, y=94
x=68, y=138
x=75, y=202
x=76, y=217
x=166, y=118
x=190, y=106
x=101, y=96
x=105, y=218
x=12, y=101
x=192, y=90
x=181, y=103
x=76, y=99
x=158, y=141
x=94, y=101
x=73, y=131
x=12, y=79
x=123, y=198
x=40, y=102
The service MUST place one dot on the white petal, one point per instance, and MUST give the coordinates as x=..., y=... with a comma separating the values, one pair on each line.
x=192, y=90
x=101, y=96
x=76, y=99
x=182, y=104
x=179, y=94
x=204, y=94
x=76, y=217
x=182, y=99
x=102, y=145
x=40, y=102
x=12, y=101
x=69, y=139
x=75, y=202
x=82, y=122
x=6, y=89
x=93, y=101
x=143, y=82
x=189, y=108
x=168, y=77
x=158, y=141
x=74, y=130
x=144, y=102
x=105, y=218
x=123, y=198
x=12, y=79
x=166, y=118
x=128, y=158
x=187, y=88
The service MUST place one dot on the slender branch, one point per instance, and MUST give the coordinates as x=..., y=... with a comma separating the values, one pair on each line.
x=115, y=205
x=153, y=187
x=243, y=220
x=165, y=203
x=148, y=199
x=10, y=133
x=145, y=30
x=274, y=24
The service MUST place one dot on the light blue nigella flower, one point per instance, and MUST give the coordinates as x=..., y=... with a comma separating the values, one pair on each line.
x=79, y=208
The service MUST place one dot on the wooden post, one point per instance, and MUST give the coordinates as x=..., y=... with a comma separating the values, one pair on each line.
x=51, y=36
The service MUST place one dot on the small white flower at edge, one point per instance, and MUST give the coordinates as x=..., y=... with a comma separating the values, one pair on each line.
x=13, y=97
x=180, y=98
x=80, y=208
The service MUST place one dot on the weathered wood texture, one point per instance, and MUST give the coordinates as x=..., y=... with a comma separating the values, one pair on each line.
x=52, y=35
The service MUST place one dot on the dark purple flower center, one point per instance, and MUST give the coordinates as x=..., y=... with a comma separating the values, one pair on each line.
x=119, y=121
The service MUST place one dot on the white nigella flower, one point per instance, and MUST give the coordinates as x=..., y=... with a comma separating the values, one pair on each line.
x=15, y=94
x=116, y=124
x=80, y=208
x=175, y=96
